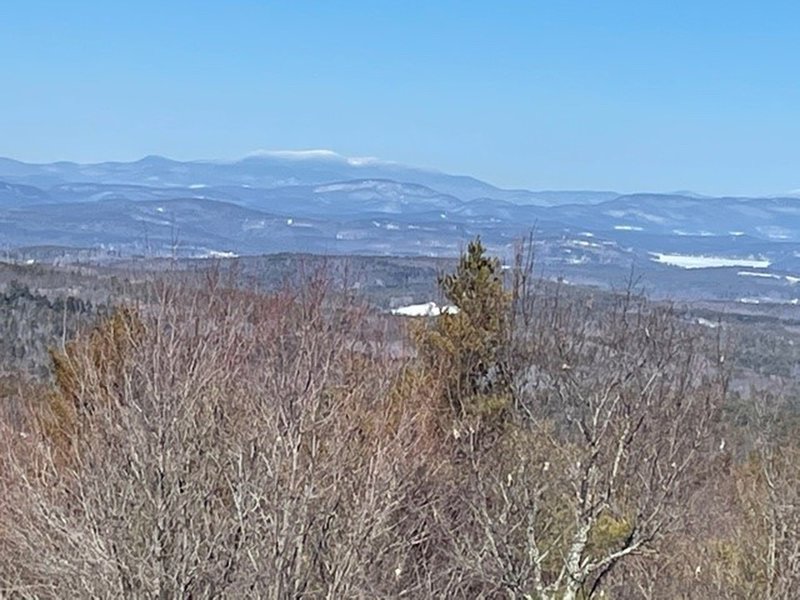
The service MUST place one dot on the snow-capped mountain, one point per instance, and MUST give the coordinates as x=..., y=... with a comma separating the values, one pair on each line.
x=273, y=169
x=321, y=201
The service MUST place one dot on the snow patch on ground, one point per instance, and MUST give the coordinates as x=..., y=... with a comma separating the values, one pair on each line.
x=638, y=214
x=577, y=260
x=584, y=244
x=695, y=261
x=754, y=274
x=707, y=323
x=685, y=233
x=292, y=222
x=340, y=187
x=146, y=219
x=250, y=225
x=429, y=309
x=792, y=301
x=774, y=232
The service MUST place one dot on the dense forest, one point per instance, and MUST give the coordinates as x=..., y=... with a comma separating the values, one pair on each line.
x=194, y=436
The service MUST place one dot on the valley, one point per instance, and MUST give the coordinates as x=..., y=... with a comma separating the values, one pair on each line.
x=680, y=246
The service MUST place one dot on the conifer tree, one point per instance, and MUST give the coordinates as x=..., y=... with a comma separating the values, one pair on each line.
x=468, y=344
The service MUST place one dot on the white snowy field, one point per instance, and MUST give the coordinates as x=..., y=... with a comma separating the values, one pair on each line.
x=697, y=261
x=428, y=309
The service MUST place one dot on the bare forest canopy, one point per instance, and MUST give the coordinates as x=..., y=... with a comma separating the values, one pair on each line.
x=267, y=428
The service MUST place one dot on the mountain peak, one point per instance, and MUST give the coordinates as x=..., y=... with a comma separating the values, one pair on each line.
x=313, y=154
x=154, y=159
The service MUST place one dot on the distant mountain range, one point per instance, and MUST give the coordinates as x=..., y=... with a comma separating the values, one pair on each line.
x=271, y=170
x=320, y=201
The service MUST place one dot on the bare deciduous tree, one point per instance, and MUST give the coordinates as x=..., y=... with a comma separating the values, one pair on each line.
x=615, y=431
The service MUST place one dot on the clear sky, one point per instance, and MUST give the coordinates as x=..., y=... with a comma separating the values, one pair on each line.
x=638, y=95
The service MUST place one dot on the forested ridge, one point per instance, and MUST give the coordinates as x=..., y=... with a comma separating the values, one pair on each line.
x=209, y=439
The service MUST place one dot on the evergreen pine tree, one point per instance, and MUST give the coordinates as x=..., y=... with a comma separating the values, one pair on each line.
x=468, y=345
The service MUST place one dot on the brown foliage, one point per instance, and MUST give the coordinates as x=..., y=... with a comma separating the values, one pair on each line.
x=218, y=442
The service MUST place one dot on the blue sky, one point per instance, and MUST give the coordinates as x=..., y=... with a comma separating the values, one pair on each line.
x=639, y=95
